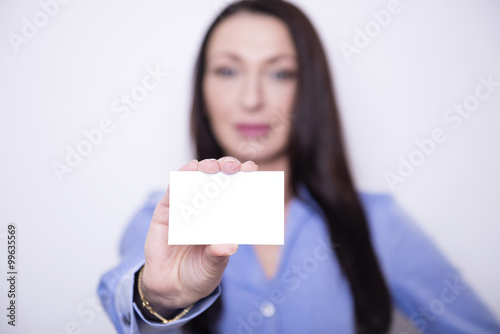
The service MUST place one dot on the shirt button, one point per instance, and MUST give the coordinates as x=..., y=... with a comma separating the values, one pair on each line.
x=267, y=309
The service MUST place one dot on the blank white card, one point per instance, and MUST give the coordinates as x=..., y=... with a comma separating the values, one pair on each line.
x=241, y=208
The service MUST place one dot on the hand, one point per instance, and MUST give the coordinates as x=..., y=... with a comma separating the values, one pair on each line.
x=176, y=276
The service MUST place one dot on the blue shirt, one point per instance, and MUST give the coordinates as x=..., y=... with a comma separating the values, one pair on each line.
x=309, y=294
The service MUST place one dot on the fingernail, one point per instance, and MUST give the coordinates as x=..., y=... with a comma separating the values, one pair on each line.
x=231, y=159
x=233, y=250
x=233, y=166
x=208, y=160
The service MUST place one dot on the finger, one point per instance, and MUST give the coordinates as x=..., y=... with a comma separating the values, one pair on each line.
x=219, y=253
x=209, y=166
x=190, y=166
x=249, y=166
x=229, y=165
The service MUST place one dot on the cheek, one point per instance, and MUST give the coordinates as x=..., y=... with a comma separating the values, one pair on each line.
x=212, y=96
x=218, y=108
x=282, y=100
x=218, y=96
x=280, y=93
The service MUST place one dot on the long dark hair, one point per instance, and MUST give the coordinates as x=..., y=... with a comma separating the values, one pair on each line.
x=317, y=161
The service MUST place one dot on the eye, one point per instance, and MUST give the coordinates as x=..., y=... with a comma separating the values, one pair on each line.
x=225, y=72
x=283, y=75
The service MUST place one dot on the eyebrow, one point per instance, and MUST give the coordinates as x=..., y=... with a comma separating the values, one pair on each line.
x=237, y=58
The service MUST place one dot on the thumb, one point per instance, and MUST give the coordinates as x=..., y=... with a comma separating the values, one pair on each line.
x=218, y=255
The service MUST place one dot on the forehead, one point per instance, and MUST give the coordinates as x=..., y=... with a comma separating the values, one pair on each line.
x=251, y=37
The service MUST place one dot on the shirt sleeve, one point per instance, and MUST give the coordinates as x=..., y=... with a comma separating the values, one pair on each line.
x=116, y=288
x=424, y=286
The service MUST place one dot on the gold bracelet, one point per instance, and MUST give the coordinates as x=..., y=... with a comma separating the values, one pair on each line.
x=145, y=304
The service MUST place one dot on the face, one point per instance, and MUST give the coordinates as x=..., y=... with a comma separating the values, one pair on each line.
x=249, y=86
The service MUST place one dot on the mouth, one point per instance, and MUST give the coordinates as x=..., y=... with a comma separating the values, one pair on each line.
x=253, y=131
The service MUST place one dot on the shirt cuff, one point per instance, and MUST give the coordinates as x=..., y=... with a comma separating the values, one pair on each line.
x=142, y=325
x=146, y=326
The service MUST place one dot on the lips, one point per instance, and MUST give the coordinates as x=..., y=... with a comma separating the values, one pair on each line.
x=253, y=130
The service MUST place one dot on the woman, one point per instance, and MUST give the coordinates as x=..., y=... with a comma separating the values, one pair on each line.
x=263, y=94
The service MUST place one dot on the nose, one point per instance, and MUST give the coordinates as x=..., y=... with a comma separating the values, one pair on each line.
x=251, y=95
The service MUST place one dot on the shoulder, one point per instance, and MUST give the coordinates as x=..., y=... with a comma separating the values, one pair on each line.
x=381, y=207
x=153, y=198
x=134, y=236
x=374, y=201
x=395, y=234
x=386, y=218
x=148, y=204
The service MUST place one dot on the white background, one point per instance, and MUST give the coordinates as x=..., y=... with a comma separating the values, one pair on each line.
x=64, y=79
